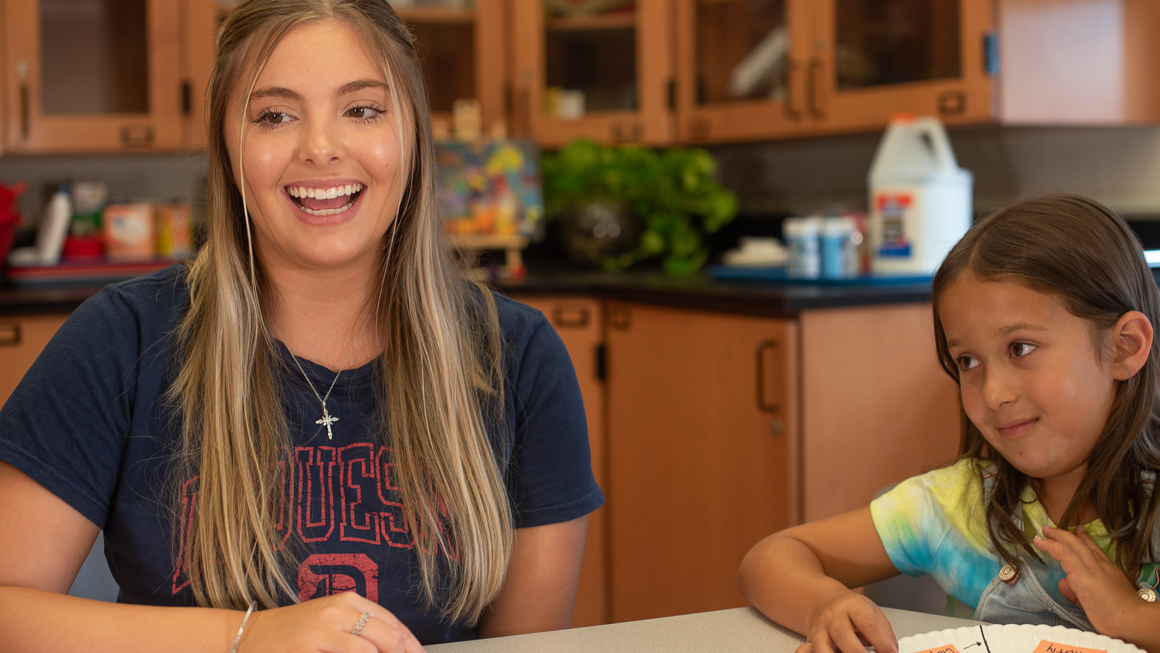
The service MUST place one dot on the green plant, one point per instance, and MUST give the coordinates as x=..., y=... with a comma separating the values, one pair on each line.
x=672, y=192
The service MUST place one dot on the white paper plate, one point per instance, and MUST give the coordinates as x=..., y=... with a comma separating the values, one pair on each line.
x=1011, y=638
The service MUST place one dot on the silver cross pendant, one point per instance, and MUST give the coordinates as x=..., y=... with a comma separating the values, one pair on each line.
x=327, y=420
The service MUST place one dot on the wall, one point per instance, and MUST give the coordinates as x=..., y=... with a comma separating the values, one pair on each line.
x=1119, y=166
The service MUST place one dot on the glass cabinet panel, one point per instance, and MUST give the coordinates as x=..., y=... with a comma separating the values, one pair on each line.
x=882, y=42
x=590, y=58
x=94, y=57
x=447, y=55
x=743, y=50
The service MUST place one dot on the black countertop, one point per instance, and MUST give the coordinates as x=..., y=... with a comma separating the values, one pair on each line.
x=699, y=292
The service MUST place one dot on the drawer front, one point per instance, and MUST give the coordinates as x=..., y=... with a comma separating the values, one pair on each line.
x=21, y=339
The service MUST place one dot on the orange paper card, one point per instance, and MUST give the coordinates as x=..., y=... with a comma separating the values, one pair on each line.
x=1055, y=647
x=949, y=648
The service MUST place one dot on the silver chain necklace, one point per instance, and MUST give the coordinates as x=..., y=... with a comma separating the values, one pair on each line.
x=327, y=419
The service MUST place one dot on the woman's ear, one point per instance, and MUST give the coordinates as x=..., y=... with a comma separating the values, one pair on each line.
x=1131, y=344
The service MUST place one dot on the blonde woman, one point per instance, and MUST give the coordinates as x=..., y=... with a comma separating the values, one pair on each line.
x=316, y=437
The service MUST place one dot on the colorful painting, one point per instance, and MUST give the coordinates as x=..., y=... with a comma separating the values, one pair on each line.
x=490, y=187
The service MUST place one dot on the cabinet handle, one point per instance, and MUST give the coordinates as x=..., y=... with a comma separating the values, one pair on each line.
x=10, y=334
x=793, y=107
x=620, y=318
x=952, y=103
x=137, y=135
x=570, y=318
x=761, y=403
x=25, y=112
x=817, y=107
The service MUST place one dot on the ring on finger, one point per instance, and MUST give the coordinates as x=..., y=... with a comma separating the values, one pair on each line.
x=361, y=623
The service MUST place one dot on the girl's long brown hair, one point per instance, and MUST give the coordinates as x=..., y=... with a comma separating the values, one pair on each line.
x=441, y=370
x=1077, y=250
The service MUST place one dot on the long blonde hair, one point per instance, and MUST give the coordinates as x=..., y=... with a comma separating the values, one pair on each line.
x=441, y=371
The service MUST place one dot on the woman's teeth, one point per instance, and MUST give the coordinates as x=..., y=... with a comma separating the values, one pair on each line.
x=323, y=193
x=301, y=193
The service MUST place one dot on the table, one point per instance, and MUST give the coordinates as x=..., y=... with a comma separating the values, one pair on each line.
x=733, y=631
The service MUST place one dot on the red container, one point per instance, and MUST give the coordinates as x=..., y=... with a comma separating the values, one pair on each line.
x=9, y=218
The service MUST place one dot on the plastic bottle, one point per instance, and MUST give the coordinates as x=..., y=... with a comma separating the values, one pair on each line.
x=920, y=199
x=839, y=251
x=801, y=239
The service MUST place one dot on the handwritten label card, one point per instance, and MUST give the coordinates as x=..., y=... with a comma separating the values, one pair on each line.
x=949, y=648
x=1054, y=647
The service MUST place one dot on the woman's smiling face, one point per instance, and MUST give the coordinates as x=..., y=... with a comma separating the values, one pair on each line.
x=322, y=160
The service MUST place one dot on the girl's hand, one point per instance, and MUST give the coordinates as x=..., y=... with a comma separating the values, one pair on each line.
x=325, y=625
x=847, y=624
x=1093, y=582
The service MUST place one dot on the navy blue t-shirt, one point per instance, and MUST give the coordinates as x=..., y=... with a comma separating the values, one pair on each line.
x=88, y=423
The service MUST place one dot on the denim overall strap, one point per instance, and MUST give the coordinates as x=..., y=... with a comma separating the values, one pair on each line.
x=1024, y=601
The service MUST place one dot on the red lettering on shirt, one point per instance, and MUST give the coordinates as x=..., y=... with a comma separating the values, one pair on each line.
x=324, y=574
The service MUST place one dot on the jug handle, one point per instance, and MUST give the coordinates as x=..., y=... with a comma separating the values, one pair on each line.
x=940, y=143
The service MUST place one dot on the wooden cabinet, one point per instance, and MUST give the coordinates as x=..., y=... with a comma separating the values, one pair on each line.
x=462, y=54
x=21, y=339
x=579, y=321
x=702, y=438
x=876, y=406
x=607, y=76
x=723, y=429
x=104, y=75
x=784, y=68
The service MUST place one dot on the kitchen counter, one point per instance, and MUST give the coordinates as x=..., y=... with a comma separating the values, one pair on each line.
x=736, y=631
x=699, y=291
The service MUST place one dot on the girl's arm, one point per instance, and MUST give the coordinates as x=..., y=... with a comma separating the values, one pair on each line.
x=42, y=547
x=542, y=576
x=800, y=578
x=1098, y=586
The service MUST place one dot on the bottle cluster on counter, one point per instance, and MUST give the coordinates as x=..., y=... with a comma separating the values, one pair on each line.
x=827, y=247
x=80, y=225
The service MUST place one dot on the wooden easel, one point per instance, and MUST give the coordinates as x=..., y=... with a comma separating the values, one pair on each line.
x=472, y=244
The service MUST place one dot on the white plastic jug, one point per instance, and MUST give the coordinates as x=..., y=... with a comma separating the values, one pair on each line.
x=920, y=199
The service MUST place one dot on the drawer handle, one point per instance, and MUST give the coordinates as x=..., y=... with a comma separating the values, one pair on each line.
x=570, y=318
x=761, y=403
x=137, y=135
x=10, y=335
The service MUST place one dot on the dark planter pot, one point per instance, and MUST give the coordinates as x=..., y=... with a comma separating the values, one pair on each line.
x=592, y=231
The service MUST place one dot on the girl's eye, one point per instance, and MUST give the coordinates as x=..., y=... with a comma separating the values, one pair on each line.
x=966, y=363
x=1021, y=349
x=364, y=113
x=270, y=118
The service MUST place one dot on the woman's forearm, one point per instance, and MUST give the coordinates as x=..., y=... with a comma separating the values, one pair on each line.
x=784, y=579
x=36, y=620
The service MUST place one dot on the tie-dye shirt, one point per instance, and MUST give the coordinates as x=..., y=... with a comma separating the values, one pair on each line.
x=934, y=524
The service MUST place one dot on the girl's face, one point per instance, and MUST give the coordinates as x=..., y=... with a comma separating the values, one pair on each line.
x=322, y=160
x=1031, y=377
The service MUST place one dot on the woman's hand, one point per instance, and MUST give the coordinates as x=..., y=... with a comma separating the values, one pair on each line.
x=1093, y=582
x=325, y=625
x=847, y=624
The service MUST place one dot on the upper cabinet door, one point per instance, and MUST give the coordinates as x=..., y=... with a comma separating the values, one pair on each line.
x=461, y=49
x=93, y=75
x=873, y=58
x=741, y=69
x=597, y=70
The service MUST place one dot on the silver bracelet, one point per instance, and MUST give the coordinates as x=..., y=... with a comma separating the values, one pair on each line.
x=234, y=648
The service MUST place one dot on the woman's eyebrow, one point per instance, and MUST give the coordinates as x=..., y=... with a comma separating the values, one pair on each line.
x=358, y=85
x=349, y=87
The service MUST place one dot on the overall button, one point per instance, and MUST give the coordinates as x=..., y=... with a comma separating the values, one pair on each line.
x=1009, y=574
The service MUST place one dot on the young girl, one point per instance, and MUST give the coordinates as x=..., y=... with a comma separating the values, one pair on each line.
x=317, y=436
x=1043, y=314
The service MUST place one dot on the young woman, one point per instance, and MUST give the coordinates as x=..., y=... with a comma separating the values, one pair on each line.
x=1044, y=316
x=317, y=404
